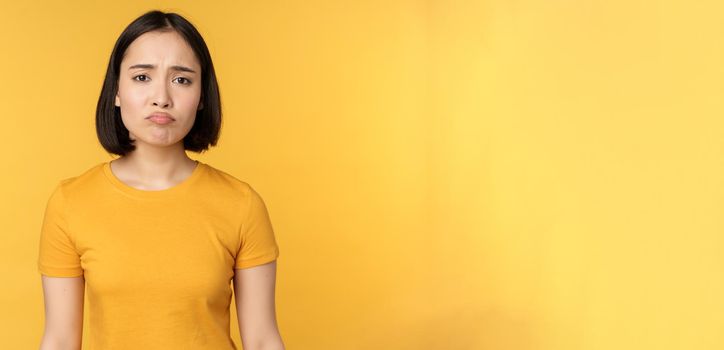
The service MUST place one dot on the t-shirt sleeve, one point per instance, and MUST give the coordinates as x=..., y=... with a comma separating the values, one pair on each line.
x=258, y=244
x=57, y=254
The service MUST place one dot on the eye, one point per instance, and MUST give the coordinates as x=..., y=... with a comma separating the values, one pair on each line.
x=142, y=75
x=184, y=81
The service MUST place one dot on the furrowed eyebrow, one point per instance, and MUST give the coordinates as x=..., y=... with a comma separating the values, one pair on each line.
x=150, y=66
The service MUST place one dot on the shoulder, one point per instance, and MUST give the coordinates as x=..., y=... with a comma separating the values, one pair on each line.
x=89, y=177
x=224, y=181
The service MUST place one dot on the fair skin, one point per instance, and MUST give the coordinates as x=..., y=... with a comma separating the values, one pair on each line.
x=63, y=299
x=168, y=81
x=255, y=308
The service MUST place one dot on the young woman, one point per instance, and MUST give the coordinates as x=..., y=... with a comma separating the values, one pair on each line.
x=154, y=237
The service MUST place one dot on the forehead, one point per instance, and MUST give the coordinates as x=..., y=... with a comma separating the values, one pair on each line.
x=160, y=48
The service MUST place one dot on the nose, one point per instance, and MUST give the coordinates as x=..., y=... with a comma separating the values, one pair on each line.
x=161, y=96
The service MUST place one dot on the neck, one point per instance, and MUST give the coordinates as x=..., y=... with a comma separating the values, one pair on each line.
x=157, y=164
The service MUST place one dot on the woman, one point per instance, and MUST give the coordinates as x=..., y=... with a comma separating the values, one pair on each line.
x=156, y=236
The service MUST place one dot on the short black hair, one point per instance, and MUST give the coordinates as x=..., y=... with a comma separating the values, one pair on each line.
x=113, y=135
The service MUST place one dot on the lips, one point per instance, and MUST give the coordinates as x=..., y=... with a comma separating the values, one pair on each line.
x=160, y=118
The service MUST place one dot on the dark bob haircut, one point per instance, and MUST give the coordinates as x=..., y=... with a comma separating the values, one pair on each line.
x=113, y=135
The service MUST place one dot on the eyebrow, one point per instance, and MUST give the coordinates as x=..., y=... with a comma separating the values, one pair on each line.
x=150, y=66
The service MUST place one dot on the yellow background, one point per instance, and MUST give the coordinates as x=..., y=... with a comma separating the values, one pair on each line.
x=440, y=174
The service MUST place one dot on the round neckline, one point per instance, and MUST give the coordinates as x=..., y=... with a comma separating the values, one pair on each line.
x=179, y=188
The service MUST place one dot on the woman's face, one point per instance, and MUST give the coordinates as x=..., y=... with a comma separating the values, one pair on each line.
x=159, y=73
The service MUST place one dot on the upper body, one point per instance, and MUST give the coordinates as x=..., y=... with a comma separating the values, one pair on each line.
x=154, y=238
x=158, y=265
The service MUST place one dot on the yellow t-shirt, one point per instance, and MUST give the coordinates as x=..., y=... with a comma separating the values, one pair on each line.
x=158, y=265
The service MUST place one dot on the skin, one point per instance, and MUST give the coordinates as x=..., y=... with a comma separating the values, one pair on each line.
x=160, y=162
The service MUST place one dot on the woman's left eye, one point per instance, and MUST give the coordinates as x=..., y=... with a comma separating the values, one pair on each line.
x=185, y=81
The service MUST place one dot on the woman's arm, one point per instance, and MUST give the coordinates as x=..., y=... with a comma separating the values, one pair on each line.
x=255, y=307
x=63, y=298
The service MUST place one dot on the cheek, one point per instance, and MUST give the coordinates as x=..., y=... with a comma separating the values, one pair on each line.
x=188, y=102
x=191, y=98
x=130, y=98
x=131, y=107
x=136, y=98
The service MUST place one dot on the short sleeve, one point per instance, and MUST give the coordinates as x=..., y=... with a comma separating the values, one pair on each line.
x=57, y=255
x=258, y=244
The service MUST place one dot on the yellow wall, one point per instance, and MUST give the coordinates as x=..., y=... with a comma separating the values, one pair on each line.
x=441, y=175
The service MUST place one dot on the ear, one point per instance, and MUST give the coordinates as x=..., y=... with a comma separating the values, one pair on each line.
x=118, y=101
x=201, y=105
